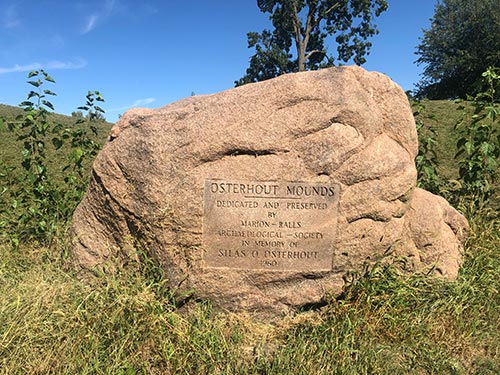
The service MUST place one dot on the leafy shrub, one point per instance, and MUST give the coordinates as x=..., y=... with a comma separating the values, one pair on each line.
x=478, y=147
x=39, y=208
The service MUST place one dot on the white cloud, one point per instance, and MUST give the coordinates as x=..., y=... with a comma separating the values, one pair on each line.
x=51, y=65
x=110, y=5
x=137, y=103
x=98, y=16
x=10, y=18
x=140, y=102
x=78, y=64
x=90, y=24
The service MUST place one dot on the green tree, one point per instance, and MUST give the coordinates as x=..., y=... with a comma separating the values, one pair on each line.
x=305, y=25
x=462, y=42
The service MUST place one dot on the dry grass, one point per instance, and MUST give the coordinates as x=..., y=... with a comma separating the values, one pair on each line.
x=52, y=323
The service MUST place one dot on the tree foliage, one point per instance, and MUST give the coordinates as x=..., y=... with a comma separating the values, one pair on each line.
x=462, y=42
x=303, y=26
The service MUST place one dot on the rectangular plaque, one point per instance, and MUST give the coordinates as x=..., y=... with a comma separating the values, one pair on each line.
x=269, y=225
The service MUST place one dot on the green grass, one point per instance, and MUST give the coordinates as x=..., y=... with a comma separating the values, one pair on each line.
x=443, y=115
x=51, y=322
x=10, y=147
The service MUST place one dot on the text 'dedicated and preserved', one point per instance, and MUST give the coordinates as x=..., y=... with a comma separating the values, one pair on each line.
x=269, y=225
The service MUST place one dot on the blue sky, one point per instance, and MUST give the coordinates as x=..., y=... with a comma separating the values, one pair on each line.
x=150, y=53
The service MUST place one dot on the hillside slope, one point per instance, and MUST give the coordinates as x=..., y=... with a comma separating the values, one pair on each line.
x=11, y=147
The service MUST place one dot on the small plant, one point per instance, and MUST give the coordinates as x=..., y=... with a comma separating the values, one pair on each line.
x=84, y=147
x=82, y=144
x=41, y=208
x=32, y=130
x=37, y=200
x=82, y=136
x=478, y=147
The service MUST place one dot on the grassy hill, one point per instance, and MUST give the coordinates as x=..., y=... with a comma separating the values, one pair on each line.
x=51, y=322
x=10, y=147
x=441, y=115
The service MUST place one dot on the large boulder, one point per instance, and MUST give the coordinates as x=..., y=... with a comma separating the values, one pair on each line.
x=262, y=197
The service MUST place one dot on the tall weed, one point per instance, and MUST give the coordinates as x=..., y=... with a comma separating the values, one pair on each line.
x=36, y=207
x=478, y=148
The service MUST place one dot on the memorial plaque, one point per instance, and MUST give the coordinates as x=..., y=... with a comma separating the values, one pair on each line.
x=269, y=225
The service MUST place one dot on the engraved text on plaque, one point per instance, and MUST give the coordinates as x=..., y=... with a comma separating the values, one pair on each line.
x=269, y=225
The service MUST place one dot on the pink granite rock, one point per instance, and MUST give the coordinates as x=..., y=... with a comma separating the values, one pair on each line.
x=339, y=128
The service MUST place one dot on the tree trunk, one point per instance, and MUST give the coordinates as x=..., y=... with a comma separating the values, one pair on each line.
x=301, y=53
x=301, y=41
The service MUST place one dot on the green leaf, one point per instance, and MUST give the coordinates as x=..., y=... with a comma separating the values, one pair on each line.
x=57, y=128
x=49, y=78
x=26, y=104
x=461, y=142
x=48, y=92
x=492, y=162
x=40, y=168
x=77, y=154
x=99, y=96
x=33, y=73
x=32, y=94
x=486, y=148
x=35, y=83
x=48, y=104
x=57, y=142
x=469, y=147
